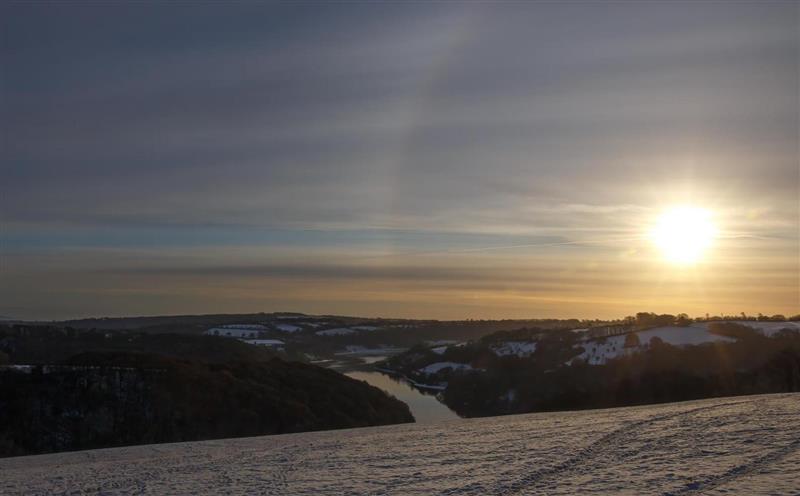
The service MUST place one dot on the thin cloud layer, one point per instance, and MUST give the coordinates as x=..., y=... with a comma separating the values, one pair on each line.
x=390, y=129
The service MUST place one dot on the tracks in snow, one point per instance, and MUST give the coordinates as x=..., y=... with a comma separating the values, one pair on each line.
x=606, y=443
x=722, y=445
x=739, y=471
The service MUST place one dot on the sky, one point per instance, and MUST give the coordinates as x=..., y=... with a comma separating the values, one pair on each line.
x=403, y=159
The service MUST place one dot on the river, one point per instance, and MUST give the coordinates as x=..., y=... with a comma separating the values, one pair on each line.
x=424, y=407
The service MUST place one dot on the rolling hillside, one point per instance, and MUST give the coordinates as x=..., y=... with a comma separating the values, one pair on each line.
x=743, y=445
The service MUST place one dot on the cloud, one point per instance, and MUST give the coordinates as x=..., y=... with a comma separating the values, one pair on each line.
x=173, y=126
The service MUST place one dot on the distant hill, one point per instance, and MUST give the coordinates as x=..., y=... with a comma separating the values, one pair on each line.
x=130, y=323
x=532, y=370
x=63, y=388
x=50, y=345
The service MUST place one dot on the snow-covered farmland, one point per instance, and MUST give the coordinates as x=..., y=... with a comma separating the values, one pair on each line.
x=440, y=346
x=680, y=336
x=339, y=331
x=438, y=366
x=745, y=445
x=270, y=343
x=365, y=328
x=288, y=328
x=364, y=351
x=599, y=351
x=766, y=328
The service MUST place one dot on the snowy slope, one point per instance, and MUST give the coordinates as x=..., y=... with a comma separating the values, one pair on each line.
x=766, y=328
x=288, y=328
x=744, y=445
x=436, y=367
x=599, y=351
x=681, y=336
x=339, y=331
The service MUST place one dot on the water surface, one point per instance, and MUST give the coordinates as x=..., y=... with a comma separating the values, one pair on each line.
x=425, y=407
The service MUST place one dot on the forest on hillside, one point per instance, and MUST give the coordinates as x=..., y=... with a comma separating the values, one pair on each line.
x=89, y=389
x=752, y=364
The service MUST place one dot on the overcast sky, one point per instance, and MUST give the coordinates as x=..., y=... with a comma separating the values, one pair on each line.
x=413, y=159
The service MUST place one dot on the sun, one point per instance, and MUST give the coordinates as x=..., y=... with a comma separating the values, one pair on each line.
x=683, y=234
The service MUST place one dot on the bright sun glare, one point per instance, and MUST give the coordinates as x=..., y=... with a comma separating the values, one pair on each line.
x=683, y=234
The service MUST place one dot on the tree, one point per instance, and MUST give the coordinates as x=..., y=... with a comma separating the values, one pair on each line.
x=631, y=340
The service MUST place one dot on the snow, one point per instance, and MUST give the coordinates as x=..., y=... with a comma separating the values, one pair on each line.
x=680, y=336
x=518, y=348
x=436, y=367
x=339, y=331
x=600, y=351
x=766, y=328
x=234, y=332
x=288, y=328
x=770, y=328
x=364, y=351
x=25, y=369
x=439, y=350
x=743, y=445
x=597, y=352
x=264, y=342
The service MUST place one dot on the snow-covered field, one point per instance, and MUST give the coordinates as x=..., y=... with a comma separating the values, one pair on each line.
x=288, y=328
x=766, y=328
x=364, y=351
x=272, y=343
x=600, y=351
x=339, y=331
x=745, y=445
x=438, y=366
x=597, y=352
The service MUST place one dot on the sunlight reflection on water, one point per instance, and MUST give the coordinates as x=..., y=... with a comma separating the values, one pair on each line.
x=425, y=407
